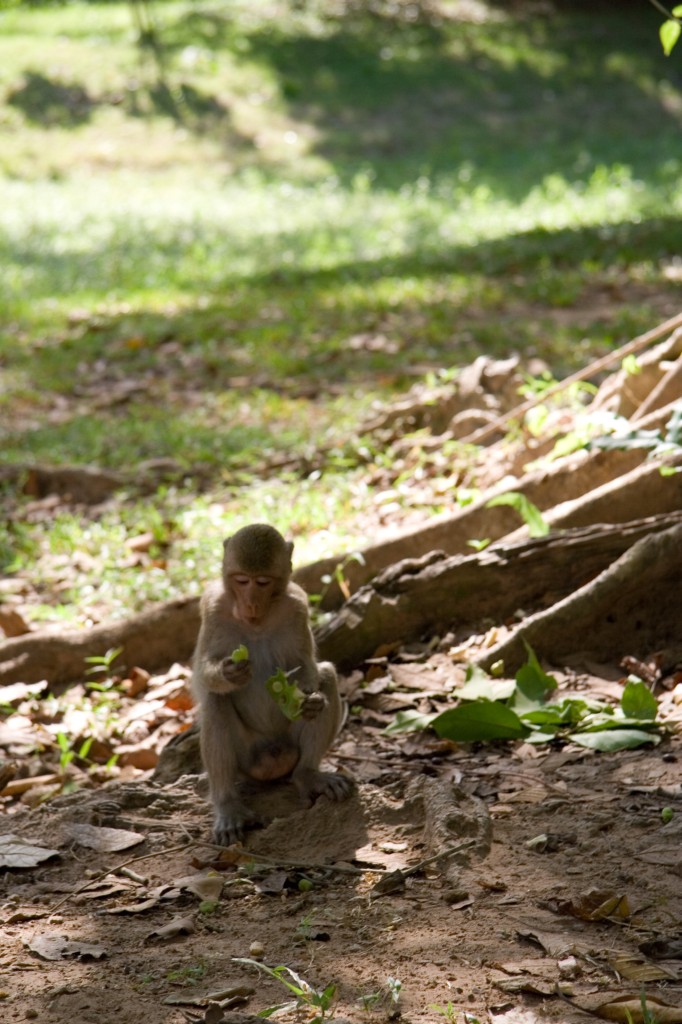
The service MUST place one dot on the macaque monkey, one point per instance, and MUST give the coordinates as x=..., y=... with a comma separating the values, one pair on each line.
x=245, y=737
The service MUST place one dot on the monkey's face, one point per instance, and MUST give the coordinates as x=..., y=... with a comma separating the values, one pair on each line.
x=253, y=596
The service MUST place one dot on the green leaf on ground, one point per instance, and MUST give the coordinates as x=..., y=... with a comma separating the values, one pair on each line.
x=609, y=740
x=479, y=720
x=638, y=701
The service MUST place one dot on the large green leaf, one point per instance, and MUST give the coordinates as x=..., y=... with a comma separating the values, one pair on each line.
x=479, y=720
x=608, y=740
x=532, y=682
x=638, y=701
x=669, y=33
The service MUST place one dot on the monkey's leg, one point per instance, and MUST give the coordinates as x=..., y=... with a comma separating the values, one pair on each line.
x=224, y=747
x=314, y=739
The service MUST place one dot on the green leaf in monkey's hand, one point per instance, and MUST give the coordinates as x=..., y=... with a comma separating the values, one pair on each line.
x=288, y=696
x=241, y=654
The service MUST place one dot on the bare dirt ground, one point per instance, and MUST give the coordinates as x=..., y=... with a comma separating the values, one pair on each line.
x=554, y=868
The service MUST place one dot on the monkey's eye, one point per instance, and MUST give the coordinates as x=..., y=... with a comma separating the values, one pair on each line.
x=263, y=581
x=241, y=581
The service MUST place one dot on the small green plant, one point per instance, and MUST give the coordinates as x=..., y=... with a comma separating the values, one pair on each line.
x=479, y=545
x=388, y=995
x=338, y=576
x=660, y=443
x=101, y=664
x=394, y=988
x=319, y=1002
x=370, y=1000
x=240, y=654
x=189, y=975
x=68, y=751
x=305, y=928
x=530, y=513
x=647, y=1016
x=209, y=906
x=447, y=1011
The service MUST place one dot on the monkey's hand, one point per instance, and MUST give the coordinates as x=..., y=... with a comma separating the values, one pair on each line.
x=235, y=673
x=313, y=704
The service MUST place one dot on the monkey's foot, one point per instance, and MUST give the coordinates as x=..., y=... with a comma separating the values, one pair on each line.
x=231, y=825
x=311, y=784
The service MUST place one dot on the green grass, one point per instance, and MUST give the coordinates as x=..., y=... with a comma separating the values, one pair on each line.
x=193, y=252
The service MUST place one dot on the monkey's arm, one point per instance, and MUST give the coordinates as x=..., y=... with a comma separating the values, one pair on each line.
x=214, y=670
x=221, y=674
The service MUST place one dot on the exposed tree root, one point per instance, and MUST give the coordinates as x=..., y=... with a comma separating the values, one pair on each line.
x=633, y=607
x=433, y=593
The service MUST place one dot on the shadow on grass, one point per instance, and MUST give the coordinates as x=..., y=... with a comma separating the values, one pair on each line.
x=402, y=92
x=275, y=337
x=290, y=328
x=52, y=103
x=419, y=95
x=49, y=102
x=119, y=263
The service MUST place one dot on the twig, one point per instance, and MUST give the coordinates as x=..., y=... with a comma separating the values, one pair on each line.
x=348, y=869
x=414, y=869
x=600, y=364
x=664, y=10
x=109, y=871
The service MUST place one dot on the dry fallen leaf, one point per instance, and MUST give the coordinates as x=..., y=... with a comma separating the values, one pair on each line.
x=104, y=888
x=104, y=840
x=16, y=853
x=12, y=623
x=16, y=787
x=178, y=926
x=555, y=944
x=58, y=947
x=152, y=899
x=637, y=968
x=228, y=993
x=597, y=906
x=629, y=1010
x=206, y=887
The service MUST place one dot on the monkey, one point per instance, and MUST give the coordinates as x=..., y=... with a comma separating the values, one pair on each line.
x=245, y=738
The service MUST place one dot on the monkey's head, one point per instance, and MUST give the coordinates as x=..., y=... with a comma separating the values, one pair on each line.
x=256, y=570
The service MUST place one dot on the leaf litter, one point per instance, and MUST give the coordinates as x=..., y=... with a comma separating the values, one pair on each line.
x=547, y=826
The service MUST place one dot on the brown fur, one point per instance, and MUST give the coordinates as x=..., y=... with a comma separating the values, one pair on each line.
x=244, y=734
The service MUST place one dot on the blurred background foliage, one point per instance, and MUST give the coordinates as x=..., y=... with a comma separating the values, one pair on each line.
x=228, y=227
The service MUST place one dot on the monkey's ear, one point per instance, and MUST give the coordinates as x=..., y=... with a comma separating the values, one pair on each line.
x=226, y=542
x=289, y=548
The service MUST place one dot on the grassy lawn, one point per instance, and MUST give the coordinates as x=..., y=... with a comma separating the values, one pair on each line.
x=200, y=249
